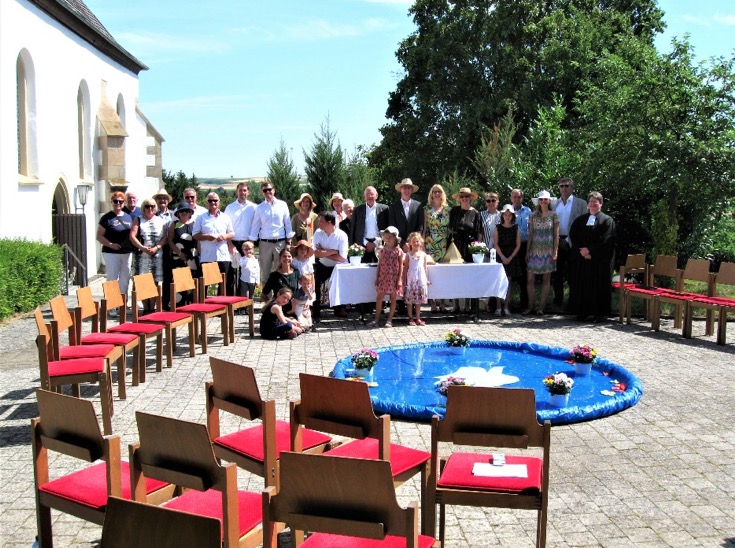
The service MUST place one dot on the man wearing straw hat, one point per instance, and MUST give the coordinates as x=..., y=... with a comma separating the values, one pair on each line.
x=406, y=213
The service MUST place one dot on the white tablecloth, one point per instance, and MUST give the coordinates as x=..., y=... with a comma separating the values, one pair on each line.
x=356, y=284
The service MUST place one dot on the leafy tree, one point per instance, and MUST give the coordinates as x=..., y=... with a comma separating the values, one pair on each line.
x=359, y=175
x=283, y=175
x=325, y=166
x=496, y=157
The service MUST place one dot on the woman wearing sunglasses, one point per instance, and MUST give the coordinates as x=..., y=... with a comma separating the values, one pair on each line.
x=113, y=233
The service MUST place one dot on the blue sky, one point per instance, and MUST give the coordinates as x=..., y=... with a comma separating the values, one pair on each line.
x=229, y=79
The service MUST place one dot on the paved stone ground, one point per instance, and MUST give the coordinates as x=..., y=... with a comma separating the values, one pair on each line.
x=659, y=474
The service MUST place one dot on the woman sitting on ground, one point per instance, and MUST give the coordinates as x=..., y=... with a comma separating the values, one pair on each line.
x=273, y=322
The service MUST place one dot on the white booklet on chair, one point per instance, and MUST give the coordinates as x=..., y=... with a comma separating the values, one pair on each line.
x=506, y=471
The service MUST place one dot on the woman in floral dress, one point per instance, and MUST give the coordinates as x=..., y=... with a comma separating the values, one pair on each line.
x=436, y=227
x=543, y=245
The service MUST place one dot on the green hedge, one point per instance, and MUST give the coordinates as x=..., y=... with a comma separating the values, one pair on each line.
x=30, y=274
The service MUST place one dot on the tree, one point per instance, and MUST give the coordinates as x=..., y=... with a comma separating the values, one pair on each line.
x=176, y=184
x=470, y=60
x=283, y=175
x=496, y=157
x=324, y=167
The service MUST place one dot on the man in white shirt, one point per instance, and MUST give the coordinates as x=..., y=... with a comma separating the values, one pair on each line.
x=568, y=208
x=271, y=228
x=190, y=198
x=241, y=213
x=330, y=249
x=213, y=230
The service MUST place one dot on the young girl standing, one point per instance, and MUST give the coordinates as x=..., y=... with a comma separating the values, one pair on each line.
x=507, y=246
x=416, y=278
x=389, y=278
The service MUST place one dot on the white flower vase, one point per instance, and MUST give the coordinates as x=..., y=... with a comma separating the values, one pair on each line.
x=559, y=400
x=366, y=374
x=582, y=369
x=478, y=257
x=458, y=350
x=355, y=260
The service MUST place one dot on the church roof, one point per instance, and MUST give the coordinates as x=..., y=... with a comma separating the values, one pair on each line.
x=77, y=17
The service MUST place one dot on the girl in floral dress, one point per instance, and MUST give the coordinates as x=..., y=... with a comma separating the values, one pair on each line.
x=416, y=278
x=543, y=244
x=389, y=278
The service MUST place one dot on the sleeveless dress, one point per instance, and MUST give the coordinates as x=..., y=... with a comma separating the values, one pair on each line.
x=389, y=266
x=437, y=224
x=417, y=287
x=187, y=244
x=507, y=243
x=541, y=248
x=150, y=232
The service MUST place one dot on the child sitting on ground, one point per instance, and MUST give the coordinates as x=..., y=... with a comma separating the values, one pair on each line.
x=415, y=278
x=389, y=278
x=273, y=323
x=249, y=271
x=303, y=297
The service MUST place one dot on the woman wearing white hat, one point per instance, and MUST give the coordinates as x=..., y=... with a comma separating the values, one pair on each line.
x=543, y=245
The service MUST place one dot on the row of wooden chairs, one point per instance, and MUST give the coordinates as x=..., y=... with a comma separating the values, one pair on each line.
x=684, y=302
x=339, y=488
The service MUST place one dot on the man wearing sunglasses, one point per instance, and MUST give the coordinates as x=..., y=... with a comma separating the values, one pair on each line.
x=190, y=199
x=213, y=230
x=568, y=208
x=271, y=228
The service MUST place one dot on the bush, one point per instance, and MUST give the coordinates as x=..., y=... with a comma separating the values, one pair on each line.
x=30, y=274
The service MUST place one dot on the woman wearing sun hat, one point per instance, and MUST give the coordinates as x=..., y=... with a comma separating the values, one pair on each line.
x=303, y=222
x=543, y=245
x=335, y=204
x=465, y=223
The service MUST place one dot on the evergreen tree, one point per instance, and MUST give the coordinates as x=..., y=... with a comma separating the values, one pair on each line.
x=324, y=166
x=283, y=175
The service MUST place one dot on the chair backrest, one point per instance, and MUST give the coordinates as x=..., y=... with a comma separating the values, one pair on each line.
x=635, y=264
x=183, y=280
x=664, y=265
x=337, y=406
x=128, y=523
x=86, y=308
x=112, y=294
x=144, y=288
x=726, y=274
x=177, y=451
x=327, y=494
x=211, y=275
x=43, y=328
x=697, y=270
x=234, y=389
x=62, y=318
x=492, y=417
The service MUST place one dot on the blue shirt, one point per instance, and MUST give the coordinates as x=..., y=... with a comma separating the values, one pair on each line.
x=522, y=217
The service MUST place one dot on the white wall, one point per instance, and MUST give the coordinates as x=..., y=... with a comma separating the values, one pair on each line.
x=61, y=61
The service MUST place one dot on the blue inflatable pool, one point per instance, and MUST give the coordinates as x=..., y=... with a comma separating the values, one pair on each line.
x=404, y=380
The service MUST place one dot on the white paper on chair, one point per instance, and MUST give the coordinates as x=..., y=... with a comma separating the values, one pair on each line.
x=506, y=471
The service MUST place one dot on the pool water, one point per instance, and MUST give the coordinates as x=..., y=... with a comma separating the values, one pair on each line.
x=404, y=380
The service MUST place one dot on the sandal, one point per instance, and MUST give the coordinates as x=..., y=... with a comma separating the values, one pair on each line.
x=540, y=312
x=388, y=324
x=411, y=322
x=373, y=324
x=420, y=323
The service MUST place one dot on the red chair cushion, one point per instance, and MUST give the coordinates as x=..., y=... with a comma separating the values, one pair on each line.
x=85, y=351
x=325, y=540
x=457, y=474
x=646, y=291
x=402, y=458
x=209, y=503
x=89, y=485
x=80, y=366
x=164, y=317
x=626, y=285
x=249, y=442
x=202, y=308
x=718, y=301
x=119, y=339
x=228, y=300
x=137, y=328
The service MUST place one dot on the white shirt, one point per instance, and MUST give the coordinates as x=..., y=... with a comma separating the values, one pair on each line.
x=371, y=223
x=271, y=221
x=211, y=251
x=406, y=207
x=250, y=270
x=304, y=267
x=242, y=218
x=564, y=211
x=198, y=210
x=337, y=240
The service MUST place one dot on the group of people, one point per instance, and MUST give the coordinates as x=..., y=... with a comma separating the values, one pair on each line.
x=566, y=240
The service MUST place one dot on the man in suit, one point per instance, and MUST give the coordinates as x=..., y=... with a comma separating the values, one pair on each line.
x=368, y=221
x=406, y=214
x=568, y=208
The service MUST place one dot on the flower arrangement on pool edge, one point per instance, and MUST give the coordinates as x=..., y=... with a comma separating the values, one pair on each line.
x=478, y=248
x=355, y=250
x=558, y=384
x=583, y=353
x=365, y=358
x=456, y=338
x=443, y=386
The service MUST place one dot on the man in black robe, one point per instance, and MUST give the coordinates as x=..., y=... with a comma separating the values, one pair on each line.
x=593, y=249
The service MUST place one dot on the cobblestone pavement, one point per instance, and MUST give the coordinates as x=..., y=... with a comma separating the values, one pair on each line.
x=659, y=474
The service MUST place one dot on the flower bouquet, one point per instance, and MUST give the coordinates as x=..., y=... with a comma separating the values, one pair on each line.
x=583, y=357
x=364, y=360
x=355, y=250
x=478, y=248
x=443, y=386
x=559, y=387
x=456, y=338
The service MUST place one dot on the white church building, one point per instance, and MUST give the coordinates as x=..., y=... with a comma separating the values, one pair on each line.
x=71, y=130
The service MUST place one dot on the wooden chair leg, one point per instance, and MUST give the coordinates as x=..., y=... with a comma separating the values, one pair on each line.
x=136, y=365
x=442, y=522
x=170, y=342
x=251, y=319
x=225, y=326
x=231, y=320
x=106, y=402
x=656, y=314
x=76, y=391
x=203, y=335
x=159, y=352
x=192, y=337
x=722, y=326
x=427, y=523
x=686, y=330
x=43, y=519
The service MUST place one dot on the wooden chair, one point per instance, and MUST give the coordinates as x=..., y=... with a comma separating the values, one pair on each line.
x=664, y=266
x=635, y=265
x=145, y=289
x=713, y=303
x=57, y=373
x=69, y=425
x=490, y=417
x=695, y=270
x=129, y=523
x=257, y=448
x=180, y=452
x=342, y=500
x=343, y=408
x=113, y=300
x=211, y=276
x=183, y=281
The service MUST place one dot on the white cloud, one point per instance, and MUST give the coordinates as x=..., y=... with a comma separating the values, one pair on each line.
x=710, y=20
x=728, y=20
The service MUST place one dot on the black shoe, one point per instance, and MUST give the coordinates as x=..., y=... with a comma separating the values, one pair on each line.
x=599, y=319
x=581, y=318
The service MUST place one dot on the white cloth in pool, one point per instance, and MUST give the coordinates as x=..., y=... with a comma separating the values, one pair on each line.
x=477, y=376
